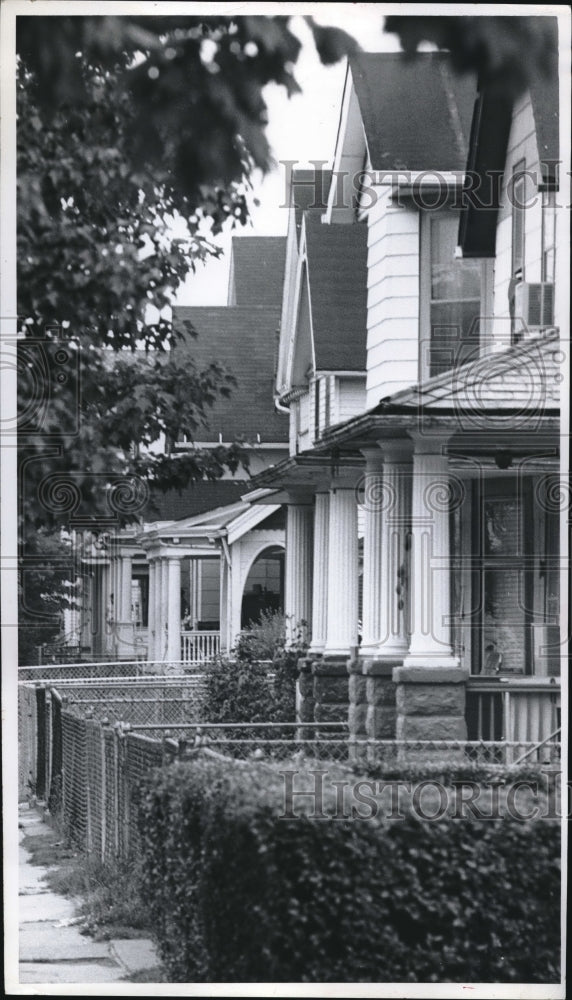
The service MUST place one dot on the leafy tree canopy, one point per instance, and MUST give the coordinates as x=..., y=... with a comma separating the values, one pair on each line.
x=125, y=123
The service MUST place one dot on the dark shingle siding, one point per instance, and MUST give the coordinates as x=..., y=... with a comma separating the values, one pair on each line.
x=258, y=263
x=337, y=274
x=244, y=340
x=416, y=112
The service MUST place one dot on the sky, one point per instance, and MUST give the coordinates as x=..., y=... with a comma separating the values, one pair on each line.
x=302, y=128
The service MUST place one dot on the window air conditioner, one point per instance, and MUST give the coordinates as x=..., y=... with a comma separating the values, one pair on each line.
x=534, y=305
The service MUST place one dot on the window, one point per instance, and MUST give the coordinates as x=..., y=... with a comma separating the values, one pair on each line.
x=317, y=384
x=518, y=200
x=450, y=298
x=548, y=235
x=505, y=577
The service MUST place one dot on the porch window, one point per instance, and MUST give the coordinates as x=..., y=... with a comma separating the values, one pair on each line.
x=451, y=293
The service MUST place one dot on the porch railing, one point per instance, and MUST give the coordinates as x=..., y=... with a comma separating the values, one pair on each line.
x=517, y=709
x=199, y=647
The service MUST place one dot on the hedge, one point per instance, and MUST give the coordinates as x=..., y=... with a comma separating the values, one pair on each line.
x=238, y=894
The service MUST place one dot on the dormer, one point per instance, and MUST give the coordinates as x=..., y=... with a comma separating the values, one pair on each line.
x=323, y=345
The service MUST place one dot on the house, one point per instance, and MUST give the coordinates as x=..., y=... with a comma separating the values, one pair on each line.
x=422, y=382
x=199, y=564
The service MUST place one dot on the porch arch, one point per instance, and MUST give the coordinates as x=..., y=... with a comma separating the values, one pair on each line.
x=263, y=583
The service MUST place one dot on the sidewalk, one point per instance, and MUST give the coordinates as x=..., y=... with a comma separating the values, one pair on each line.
x=52, y=950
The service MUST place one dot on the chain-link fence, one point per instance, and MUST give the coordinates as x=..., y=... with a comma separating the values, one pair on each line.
x=83, y=755
x=105, y=668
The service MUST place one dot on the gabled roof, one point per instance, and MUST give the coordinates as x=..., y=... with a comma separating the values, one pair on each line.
x=416, y=111
x=231, y=521
x=337, y=278
x=257, y=270
x=244, y=340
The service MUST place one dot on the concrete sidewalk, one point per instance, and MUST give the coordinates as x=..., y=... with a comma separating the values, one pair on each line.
x=52, y=949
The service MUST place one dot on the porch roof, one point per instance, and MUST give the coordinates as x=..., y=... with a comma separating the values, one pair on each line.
x=231, y=521
x=511, y=390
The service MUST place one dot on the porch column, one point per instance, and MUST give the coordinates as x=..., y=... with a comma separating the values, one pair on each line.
x=158, y=601
x=151, y=612
x=373, y=506
x=320, y=573
x=195, y=587
x=430, y=693
x=342, y=597
x=305, y=680
x=298, y=569
x=331, y=671
x=125, y=589
x=164, y=570
x=174, y=611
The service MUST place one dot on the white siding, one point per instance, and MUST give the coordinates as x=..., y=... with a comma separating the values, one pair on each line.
x=305, y=423
x=351, y=395
x=393, y=298
x=521, y=146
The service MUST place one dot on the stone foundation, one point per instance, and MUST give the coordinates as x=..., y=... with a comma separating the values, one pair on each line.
x=380, y=690
x=331, y=689
x=430, y=703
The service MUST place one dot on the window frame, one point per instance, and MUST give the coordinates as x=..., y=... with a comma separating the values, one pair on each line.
x=425, y=301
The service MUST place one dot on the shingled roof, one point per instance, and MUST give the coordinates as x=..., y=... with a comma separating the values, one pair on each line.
x=524, y=378
x=416, y=112
x=193, y=500
x=257, y=270
x=244, y=340
x=337, y=277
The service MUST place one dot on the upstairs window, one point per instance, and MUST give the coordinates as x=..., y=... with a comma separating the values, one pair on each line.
x=317, y=385
x=518, y=199
x=548, y=235
x=450, y=298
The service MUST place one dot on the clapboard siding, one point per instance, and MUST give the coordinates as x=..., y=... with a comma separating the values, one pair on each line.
x=351, y=398
x=522, y=145
x=393, y=298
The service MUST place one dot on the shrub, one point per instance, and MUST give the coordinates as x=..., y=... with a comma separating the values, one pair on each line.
x=238, y=894
x=262, y=639
x=239, y=689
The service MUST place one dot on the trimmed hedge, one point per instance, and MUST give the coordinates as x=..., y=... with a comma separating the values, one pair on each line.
x=238, y=894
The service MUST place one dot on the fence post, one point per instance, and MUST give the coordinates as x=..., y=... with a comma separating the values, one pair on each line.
x=89, y=731
x=41, y=741
x=116, y=732
x=49, y=748
x=126, y=789
x=103, y=727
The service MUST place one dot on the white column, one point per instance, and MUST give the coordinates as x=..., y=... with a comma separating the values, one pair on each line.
x=151, y=612
x=163, y=611
x=103, y=629
x=195, y=587
x=298, y=568
x=320, y=573
x=174, y=610
x=158, y=601
x=342, y=631
x=373, y=506
x=432, y=499
x=125, y=589
x=395, y=525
